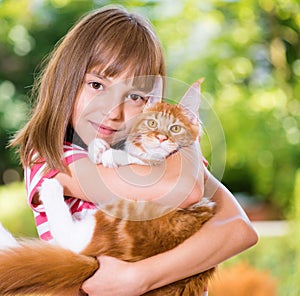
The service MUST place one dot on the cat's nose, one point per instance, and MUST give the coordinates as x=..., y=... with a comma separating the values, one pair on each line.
x=161, y=138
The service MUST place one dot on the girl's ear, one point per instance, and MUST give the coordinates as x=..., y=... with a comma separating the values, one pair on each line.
x=192, y=98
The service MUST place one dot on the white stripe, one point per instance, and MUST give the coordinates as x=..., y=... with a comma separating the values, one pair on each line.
x=37, y=177
x=73, y=201
x=42, y=228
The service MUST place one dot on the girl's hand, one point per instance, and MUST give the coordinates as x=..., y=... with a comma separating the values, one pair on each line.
x=114, y=277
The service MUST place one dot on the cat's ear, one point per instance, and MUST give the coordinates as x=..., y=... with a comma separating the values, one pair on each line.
x=192, y=98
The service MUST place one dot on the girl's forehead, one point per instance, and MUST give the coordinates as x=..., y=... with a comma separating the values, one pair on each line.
x=127, y=78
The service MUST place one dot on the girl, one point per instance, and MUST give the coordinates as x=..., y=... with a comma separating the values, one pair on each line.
x=90, y=89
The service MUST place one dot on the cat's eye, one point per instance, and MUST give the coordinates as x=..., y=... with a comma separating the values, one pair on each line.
x=176, y=128
x=152, y=123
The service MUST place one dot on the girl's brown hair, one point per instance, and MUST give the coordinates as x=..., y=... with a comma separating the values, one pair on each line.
x=110, y=40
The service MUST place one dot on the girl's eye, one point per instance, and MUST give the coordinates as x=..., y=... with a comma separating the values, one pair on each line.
x=152, y=123
x=96, y=85
x=135, y=97
x=175, y=129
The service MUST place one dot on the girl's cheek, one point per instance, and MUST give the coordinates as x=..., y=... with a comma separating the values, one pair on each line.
x=78, y=109
x=132, y=112
x=82, y=102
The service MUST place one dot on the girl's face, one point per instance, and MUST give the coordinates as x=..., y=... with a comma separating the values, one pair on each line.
x=105, y=107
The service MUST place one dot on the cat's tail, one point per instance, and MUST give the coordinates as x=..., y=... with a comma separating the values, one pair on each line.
x=37, y=267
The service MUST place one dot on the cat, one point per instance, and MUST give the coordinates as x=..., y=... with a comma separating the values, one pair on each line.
x=39, y=267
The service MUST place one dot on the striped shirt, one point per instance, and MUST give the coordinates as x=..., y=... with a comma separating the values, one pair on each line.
x=34, y=177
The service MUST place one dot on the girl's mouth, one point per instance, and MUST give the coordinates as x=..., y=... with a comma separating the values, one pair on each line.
x=103, y=129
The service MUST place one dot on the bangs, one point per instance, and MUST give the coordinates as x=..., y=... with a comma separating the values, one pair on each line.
x=127, y=47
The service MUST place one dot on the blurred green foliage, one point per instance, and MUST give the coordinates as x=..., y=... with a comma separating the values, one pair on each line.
x=248, y=50
x=15, y=214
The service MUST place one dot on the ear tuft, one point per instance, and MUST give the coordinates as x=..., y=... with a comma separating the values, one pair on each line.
x=192, y=98
x=151, y=102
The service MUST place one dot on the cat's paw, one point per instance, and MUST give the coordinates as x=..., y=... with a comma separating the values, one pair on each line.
x=109, y=159
x=51, y=192
x=113, y=158
x=96, y=149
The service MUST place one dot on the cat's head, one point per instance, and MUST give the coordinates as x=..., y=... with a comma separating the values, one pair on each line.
x=190, y=102
x=164, y=128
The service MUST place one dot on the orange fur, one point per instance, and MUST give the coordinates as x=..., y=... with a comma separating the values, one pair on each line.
x=38, y=267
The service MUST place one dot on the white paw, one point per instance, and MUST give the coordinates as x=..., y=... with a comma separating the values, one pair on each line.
x=108, y=159
x=96, y=149
x=50, y=191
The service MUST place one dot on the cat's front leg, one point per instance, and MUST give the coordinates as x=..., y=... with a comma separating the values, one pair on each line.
x=96, y=149
x=6, y=239
x=68, y=233
x=112, y=158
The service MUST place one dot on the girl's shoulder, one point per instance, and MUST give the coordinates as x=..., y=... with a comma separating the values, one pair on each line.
x=73, y=152
x=35, y=174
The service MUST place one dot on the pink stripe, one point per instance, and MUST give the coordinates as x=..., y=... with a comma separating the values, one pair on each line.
x=75, y=206
x=205, y=162
x=74, y=157
x=86, y=205
x=40, y=219
x=79, y=205
x=35, y=169
x=46, y=236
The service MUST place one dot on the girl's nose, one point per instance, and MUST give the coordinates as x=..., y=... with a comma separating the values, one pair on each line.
x=116, y=112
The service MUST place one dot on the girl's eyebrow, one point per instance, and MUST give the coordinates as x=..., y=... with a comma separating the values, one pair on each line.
x=100, y=76
x=110, y=81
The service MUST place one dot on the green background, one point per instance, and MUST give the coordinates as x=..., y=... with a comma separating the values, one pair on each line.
x=249, y=53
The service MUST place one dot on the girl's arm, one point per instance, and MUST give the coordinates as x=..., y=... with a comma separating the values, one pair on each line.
x=228, y=233
x=177, y=182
